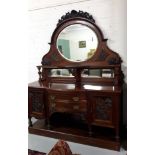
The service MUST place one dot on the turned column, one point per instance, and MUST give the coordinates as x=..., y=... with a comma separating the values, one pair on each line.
x=78, y=78
x=39, y=72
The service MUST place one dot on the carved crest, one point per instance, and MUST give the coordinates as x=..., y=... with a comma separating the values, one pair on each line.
x=74, y=14
x=103, y=55
x=114, y=61
x=49, y=59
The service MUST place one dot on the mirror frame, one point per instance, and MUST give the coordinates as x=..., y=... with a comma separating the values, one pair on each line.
x=77, y=20
x=103, y=55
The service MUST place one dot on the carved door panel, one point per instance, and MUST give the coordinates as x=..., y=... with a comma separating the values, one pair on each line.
x=36, y=103
x=103, y=108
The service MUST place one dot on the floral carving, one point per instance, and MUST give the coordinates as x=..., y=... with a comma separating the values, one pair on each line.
x=103, y=55
x=48, y=60
x=74, y=14
x=114, y=60
x=37, y=101
x=103, y=108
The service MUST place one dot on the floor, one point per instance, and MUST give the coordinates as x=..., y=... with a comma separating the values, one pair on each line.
x=44, y=144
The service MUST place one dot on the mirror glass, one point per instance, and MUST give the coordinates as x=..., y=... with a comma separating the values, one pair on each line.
x=104, y=73
x=77, y=42
x=60, y=73
x=90, y=73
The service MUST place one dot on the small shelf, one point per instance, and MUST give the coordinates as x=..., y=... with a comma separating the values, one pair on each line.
x=78, y=66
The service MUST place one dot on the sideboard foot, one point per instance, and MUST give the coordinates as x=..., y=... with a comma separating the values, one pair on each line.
x=30, y=122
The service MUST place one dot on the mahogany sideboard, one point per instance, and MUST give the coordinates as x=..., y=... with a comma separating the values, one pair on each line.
x=67, y=85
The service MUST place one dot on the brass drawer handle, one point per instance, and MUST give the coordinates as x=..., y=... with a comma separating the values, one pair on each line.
x=76, y=99
x=75, y=107
x=52, y=103
x=52, y=98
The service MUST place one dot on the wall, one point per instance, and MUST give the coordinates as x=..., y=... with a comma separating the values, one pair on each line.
x=110, y=16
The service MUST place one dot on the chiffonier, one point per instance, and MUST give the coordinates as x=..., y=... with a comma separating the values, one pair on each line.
x=79, y=75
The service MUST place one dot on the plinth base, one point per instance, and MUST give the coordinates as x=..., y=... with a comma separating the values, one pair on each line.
x=76, y=132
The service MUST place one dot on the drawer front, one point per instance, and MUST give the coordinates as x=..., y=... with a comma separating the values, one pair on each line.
x=36, y=103
x=67, y=102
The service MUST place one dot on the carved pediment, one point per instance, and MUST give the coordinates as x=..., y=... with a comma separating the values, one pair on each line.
x=74, y=14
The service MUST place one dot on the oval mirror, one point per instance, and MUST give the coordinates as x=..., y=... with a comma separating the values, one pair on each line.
x=77, y=42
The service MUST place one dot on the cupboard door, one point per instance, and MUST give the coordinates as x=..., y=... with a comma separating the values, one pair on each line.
x=102, y=108
x=36, y=103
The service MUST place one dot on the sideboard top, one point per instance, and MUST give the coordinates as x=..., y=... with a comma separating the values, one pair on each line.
x=71, y=87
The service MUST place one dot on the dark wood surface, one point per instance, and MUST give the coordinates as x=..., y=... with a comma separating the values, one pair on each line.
x=100, y=105
x=71, y=86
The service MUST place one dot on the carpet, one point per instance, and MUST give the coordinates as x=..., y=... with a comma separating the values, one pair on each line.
x=60, y=148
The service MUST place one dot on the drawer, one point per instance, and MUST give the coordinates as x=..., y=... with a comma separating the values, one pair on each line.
x=67, y=102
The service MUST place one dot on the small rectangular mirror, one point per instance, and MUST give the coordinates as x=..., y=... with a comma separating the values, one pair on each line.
x=108, y=73
x=98, y=73
x=60, y=73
